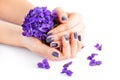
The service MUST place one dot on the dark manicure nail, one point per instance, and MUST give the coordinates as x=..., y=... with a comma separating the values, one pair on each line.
x=54, y=44
x=82, y=47
x=55, y=54
x=49, y=34
x=64, y=18
x=66, y=37
x=79, y=37
x=49, y=40
x=75, y=35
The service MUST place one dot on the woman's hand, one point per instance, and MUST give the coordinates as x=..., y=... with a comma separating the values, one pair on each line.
x=11, y=34
x=70, y=22
x=68, y=49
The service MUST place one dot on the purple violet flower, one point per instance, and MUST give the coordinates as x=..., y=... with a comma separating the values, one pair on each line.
x=44, y=64
x=94, y=62
x=98, y=46
x=38, y=22
x=91, y=56
x=65, y=70
x=68, y=72
x=40, y=65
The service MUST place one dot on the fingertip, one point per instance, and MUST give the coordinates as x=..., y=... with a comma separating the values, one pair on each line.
x=62, y=15
x=63, y=18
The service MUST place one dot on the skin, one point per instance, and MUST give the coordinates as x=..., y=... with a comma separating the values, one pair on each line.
x=12, y=14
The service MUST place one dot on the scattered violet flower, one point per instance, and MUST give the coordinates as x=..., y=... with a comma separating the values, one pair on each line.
x=38, y=22
x=40, y=65
x=68, y=72
x=65, y=70
x=91, y=56
x=98, y=46
x=43, y=64
x=93, y=62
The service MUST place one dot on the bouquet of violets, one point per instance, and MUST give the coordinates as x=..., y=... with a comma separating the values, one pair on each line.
x=38, y=22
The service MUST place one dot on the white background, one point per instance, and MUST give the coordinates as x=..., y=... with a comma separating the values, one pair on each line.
x=102, y=20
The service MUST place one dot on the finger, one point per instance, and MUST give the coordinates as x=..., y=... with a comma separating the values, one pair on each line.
x=74, y=39
x=48, y=52
x=57, y=37
x=66, y=46
x=73, y=19
x=62, y=16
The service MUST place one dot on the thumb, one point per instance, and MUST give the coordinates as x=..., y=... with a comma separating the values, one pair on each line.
x=62, y=16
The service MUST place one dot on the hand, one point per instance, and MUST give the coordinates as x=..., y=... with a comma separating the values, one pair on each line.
x=68, y=49
x=70, y=22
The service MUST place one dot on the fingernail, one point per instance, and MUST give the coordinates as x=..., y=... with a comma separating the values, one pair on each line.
x=79, y=37
x=82, y=47
x=54, y=44
x=75, y=35
x=64, y=18
x=49, y=40
x=55, y=54
x=49, y=34
x=66, y=37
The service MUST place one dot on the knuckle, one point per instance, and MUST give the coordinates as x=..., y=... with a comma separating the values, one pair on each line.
x=67, y=26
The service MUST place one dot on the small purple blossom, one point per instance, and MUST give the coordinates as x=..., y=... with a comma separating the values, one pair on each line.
x=43, y=64
x=94, y=63
x=40, y=65
x=65, y=70
x=91, y=56
x=98, y=46
x=38, y=22
x=68, y=72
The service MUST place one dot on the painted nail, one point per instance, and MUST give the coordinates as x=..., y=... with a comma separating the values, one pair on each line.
x=82, y=47
x=55, y=54
x=75, y=35
x=54, y=44
x=49, y=34
x=64, y=18
x=79, y=37
x=66, y=37
x=49, y=40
